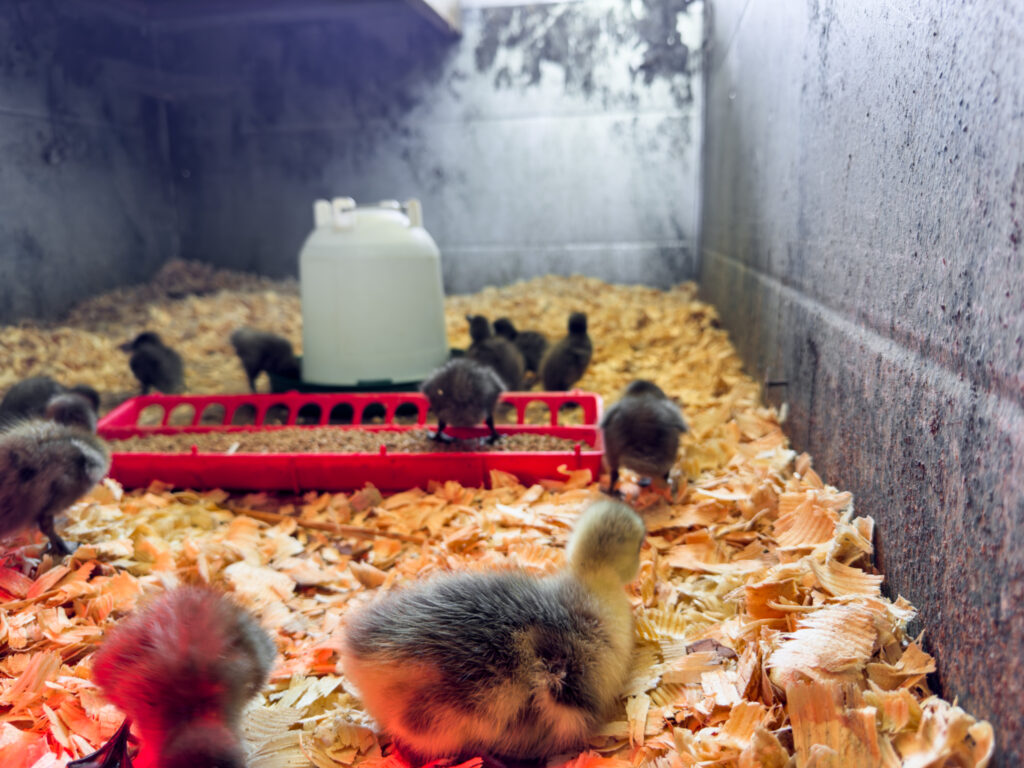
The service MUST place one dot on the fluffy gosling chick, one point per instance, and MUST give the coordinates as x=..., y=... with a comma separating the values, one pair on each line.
x=641, y=432
x=46, y=467
x=462, y=393
x=503, y=664
x=531, y=344
x=495, y=351
x=154, y=364
x=182, y=669
x=29, y=398
x=262, y=351
x=567, y=361
x=72, y=410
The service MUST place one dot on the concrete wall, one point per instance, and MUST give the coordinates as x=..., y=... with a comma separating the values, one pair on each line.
x=85, y=193
x=863, y=218
x=551, y=137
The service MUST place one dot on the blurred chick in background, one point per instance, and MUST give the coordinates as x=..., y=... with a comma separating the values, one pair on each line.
x=154, y=364
x=567, y=361
x=495, y=351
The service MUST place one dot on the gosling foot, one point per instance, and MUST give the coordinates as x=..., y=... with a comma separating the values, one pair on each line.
x=495, y=437
x=440, y=436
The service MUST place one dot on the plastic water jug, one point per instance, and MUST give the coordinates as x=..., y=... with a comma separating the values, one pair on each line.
x=372, y=298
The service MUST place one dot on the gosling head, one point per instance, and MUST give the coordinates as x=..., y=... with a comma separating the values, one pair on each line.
x=72, y=410
x=607, y=538
x=88, y=393
x=578, y=323
x=504, y=327
x=479, y=328
x=144, y=338
x=644, y=388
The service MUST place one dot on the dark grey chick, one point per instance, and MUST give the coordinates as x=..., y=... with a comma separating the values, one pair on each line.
x=567, y=361
x=641, y=432
x=182, y=669
x=72, y=410
x=503, y=664
x=90, y=394
x=262, y=351
x=495, y=351
x=531, y=344
x=28, y=398
x=46, y=467
x=154, y=364
x=462, y=393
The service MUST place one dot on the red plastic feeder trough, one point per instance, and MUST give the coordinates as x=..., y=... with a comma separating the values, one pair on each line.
x=388, y=471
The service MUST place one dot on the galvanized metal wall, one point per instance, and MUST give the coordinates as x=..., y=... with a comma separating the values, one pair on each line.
x=863, y=218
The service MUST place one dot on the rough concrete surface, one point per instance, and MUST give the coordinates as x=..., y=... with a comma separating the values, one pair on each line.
x=85, y=192
x=560, y=137
x=863, y=200
x=550, y=137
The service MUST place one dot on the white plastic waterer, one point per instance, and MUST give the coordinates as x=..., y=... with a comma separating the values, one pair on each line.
x=372, y=298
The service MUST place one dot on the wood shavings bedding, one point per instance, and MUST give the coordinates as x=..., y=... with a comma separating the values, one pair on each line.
x=762, y=635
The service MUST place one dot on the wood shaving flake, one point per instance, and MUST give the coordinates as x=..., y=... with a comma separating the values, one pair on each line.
x=840, y=580
x=828, y=731
x=835, y=641
x=755, y=555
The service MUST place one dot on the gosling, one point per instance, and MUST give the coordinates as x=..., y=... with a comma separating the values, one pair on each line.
x=262, y=351
x=531, y=344
x=182, y=669
x=45, y=467
x=503, y=664
x=495, y=351
x=567, y=361
x=154, y=364
x=72, y=410
x=29, y=398
x=641, y=432
x=462, y=393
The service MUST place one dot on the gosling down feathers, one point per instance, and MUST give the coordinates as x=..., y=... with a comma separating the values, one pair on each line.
x=262, y=351
x=531, y=344
x=45, y=467
x=72, y=410
x=503, y=664
x=463, y=393
x=32, y=398
x=641, y=432
x=182, y=669
x=155, y=364
x=495, y=351
x=567, y=361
